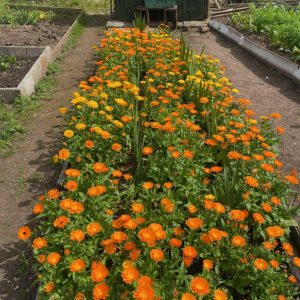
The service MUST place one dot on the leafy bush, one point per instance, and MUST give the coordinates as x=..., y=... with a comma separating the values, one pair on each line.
x=173, y=190
x=6, y=61
x=280, y=24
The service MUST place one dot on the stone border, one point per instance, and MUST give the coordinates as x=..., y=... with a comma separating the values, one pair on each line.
x=34, y=75
x=46, y=55
x=283, y=65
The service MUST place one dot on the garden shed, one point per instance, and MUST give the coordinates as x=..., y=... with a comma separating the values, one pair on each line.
x=188, y=10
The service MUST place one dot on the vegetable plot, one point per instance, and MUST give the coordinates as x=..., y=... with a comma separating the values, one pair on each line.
x=173, y=191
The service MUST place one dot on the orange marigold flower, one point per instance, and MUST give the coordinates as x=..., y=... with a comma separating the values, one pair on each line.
x=100, y=168
x=292, y=279
x=251, y=181
x=266, y=207
x=77, y=265
x=100, y=291
x=134, y=254
x=274, y=263
x=257, y=217
x=216, y=169
x=288, y=249
x=38, y=208
x=267, y=167
x=296, y=261
x=238, y=241
x=39, y=243
x=116, y=147
x=144, y=292
x=119, y=236
x=234, y=155
x=275, y=231
x=237, y=215
x=200, y=286
x=93, y=228
x=63, y=154
x=89, y=144
x=97, y=190
x=190, y=251
x=41, y=258
x=130, y=274
x=194, y=223
x=147, y=150
x=148, y=185
x=157, y=255
x=129, y=246
x=187, y=296
x=53, y=194
x=147, y=235
x=220, y=295
x=61, y=222
x=175, y=243
x=80, y=296
x=168, y=185
x=48, y=288
x=207, y=264
x=72, y=173
x=281, y=297
x=260, y=264
x=71, y=186
x=53, y=258
x=77, y=235
x=216, y=234
x=137, y=207
x=176, y=154
x=188, y=154
x=292, y=179
x=24, y=233
x=99, y=272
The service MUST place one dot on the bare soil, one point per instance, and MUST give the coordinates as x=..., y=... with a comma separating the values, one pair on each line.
x=268, y=90
x=41, y=34
x=16, y=72
x=258, y=38
x=28, y=172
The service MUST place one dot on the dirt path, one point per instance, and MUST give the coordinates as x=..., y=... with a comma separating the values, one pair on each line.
x=268, y=90
x=29, y=171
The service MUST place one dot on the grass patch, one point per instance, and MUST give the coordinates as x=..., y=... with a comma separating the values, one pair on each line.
x=14, y=116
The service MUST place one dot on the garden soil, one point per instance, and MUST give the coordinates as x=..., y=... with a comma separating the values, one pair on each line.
x=268, y=90
x=28, y=172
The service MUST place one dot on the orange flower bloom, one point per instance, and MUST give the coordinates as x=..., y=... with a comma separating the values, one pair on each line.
x=260, y=264
x=234, y=155
x=24, y=233
x=292, y=179
x=292, y=279
x=63, y=154
x=274, y=263
x=39, y=243
x=194, y=223
x=53, y=194
x=71, y=186
x=207, y=264
x=147, y=150
x=200, y=286
x=100, y=291
x=296, y=261
x=251, y=181
x=48, y=288
x=137, y=207
x=188, y=154
x=187, y=296
x=148, y=185
x=100, y=168
x=130, y=274
x=53, y=258
x=77, y=265
x=267, y=167
x=72, y=173
x=157, y=255
x=77, y=235
x=168, y=185
x=220, y=295
x=190, y=251
x=93, y=228
x=266, y=207
x=38, y=208
x=237, y=215
x=61, y=222
x=175, y=243
x=258, y=218
x=116, y=147
x=288, y=249
x=97, y=190
x=216, y=234
x=238, y=241
x=89, y=144
x=275, y=231
x=99, y=272
x=119, y=236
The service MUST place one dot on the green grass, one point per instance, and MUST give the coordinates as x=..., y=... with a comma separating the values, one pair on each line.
x=14, y=117
x=99, y=6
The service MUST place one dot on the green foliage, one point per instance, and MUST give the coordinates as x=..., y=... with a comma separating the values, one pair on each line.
x=23, y=17
x=279, y=23
x=6, y=61
x=139, y=22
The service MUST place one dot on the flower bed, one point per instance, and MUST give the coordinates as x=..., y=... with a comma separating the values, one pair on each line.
x=174, y=190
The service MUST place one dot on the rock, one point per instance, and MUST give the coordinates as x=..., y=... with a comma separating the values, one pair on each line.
x=203, y=29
